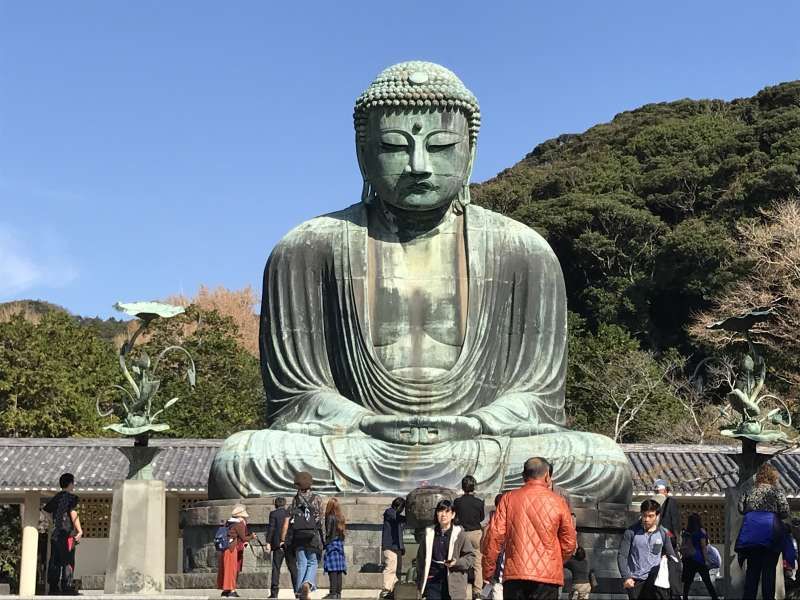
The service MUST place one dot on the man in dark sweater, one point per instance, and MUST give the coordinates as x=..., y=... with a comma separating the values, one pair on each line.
x=276, y=519
x=470, y=514
x=392, y=545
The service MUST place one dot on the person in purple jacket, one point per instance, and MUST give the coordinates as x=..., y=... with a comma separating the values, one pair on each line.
x=761, y=537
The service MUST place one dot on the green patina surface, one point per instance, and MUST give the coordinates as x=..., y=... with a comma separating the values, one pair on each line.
x=414, y=338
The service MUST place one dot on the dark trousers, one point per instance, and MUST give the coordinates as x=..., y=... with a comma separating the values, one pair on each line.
x=62, y=564
x=277, y=563
x=690, y=569
x=520, y=589
x=437, y=590
x=761, y=565
x=335, y=577
x=645, y=589
x=291, y=563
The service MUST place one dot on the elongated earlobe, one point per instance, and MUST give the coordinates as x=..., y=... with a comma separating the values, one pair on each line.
x=367, y=193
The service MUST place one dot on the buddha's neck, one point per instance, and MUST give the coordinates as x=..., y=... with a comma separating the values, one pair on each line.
x=407, y=224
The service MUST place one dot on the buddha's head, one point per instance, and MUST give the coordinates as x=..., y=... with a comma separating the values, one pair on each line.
x=416, y=131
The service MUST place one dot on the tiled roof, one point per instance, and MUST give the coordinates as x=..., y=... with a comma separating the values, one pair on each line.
x=699, y=470
x=36, y=463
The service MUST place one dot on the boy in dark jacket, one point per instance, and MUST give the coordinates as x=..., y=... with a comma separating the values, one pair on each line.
x=392, y=544
x=276, y=519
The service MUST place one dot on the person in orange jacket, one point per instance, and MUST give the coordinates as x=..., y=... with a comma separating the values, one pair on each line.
x=534, y=526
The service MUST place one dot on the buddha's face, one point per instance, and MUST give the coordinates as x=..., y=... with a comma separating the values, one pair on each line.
x=417, y=160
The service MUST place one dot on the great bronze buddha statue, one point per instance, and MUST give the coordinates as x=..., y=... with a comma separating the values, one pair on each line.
x=414, y=338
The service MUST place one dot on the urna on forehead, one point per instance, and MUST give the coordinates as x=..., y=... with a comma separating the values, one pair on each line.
x=417, y=85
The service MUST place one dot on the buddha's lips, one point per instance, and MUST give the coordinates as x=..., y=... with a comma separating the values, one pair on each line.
x=421, y=186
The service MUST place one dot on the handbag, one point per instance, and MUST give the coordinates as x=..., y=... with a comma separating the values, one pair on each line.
x=714, y=558
x=662, y=579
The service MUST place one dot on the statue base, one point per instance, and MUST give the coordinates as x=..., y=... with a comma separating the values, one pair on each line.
x=600, y=528
x=136, y=541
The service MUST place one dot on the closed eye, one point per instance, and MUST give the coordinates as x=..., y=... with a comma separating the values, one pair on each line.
x=393, y=147
x=439, y=147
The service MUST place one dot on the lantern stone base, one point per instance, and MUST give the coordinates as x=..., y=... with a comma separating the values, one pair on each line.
x=136, y=541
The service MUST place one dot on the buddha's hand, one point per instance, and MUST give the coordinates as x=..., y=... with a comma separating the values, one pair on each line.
x=414, y=430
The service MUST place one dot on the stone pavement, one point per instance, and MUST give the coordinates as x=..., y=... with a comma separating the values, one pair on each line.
x=200, y=594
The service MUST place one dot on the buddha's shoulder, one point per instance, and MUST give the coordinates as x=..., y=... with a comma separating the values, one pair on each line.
x=319, y=233
x=510, y=231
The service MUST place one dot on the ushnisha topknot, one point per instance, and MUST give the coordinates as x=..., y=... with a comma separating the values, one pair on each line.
x=421, y=85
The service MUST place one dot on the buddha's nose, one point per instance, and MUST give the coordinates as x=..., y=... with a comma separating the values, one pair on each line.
x=420, y=161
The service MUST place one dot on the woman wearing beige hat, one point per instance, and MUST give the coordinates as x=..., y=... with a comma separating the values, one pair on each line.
x=229, y=561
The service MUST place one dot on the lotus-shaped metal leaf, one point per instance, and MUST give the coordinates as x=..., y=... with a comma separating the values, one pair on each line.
x=745, y=321
x=136, y=406
x=148, y=311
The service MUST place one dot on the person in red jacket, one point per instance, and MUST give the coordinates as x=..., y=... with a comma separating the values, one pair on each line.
x=534, y=526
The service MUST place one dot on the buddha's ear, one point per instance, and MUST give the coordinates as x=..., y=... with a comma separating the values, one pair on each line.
x=367, y=194
x=464, y=195
x=473, y=148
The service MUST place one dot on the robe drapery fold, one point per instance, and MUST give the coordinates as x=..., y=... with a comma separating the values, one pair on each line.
x=320, y=368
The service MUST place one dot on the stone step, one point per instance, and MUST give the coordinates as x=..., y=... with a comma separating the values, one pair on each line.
x=252, y=580
x=210, y=594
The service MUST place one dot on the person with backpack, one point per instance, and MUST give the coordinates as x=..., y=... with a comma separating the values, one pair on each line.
x=696, y=554
x=230, y=540
x=640, y=552
x=335, y=562
x=67, y=532
x=274, y=529
x=302, y=534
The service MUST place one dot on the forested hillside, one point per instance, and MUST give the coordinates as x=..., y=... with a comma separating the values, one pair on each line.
x=650, y=215
x=642, y=210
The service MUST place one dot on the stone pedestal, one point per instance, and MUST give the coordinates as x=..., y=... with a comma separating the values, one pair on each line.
x=136, y=541
x=364, y=514
x=600, y=528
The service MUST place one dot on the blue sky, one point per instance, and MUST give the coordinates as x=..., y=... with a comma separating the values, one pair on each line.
x=149, y=147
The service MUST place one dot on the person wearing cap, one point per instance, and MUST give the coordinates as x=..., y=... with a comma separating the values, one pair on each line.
x=670, y=509
x=302, y=534
x=229, y=561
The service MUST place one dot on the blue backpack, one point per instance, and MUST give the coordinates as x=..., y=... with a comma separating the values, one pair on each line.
x=222, y=538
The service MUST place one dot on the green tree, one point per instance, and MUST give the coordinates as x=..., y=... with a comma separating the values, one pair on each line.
x=229, y=395
x=615, y=388
x=10, y=531
x=51, y=374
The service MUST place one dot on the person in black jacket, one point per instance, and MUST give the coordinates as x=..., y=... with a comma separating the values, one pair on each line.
x=394, y=523
x=470, y=514
x=670, y=509
x=276, y=519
